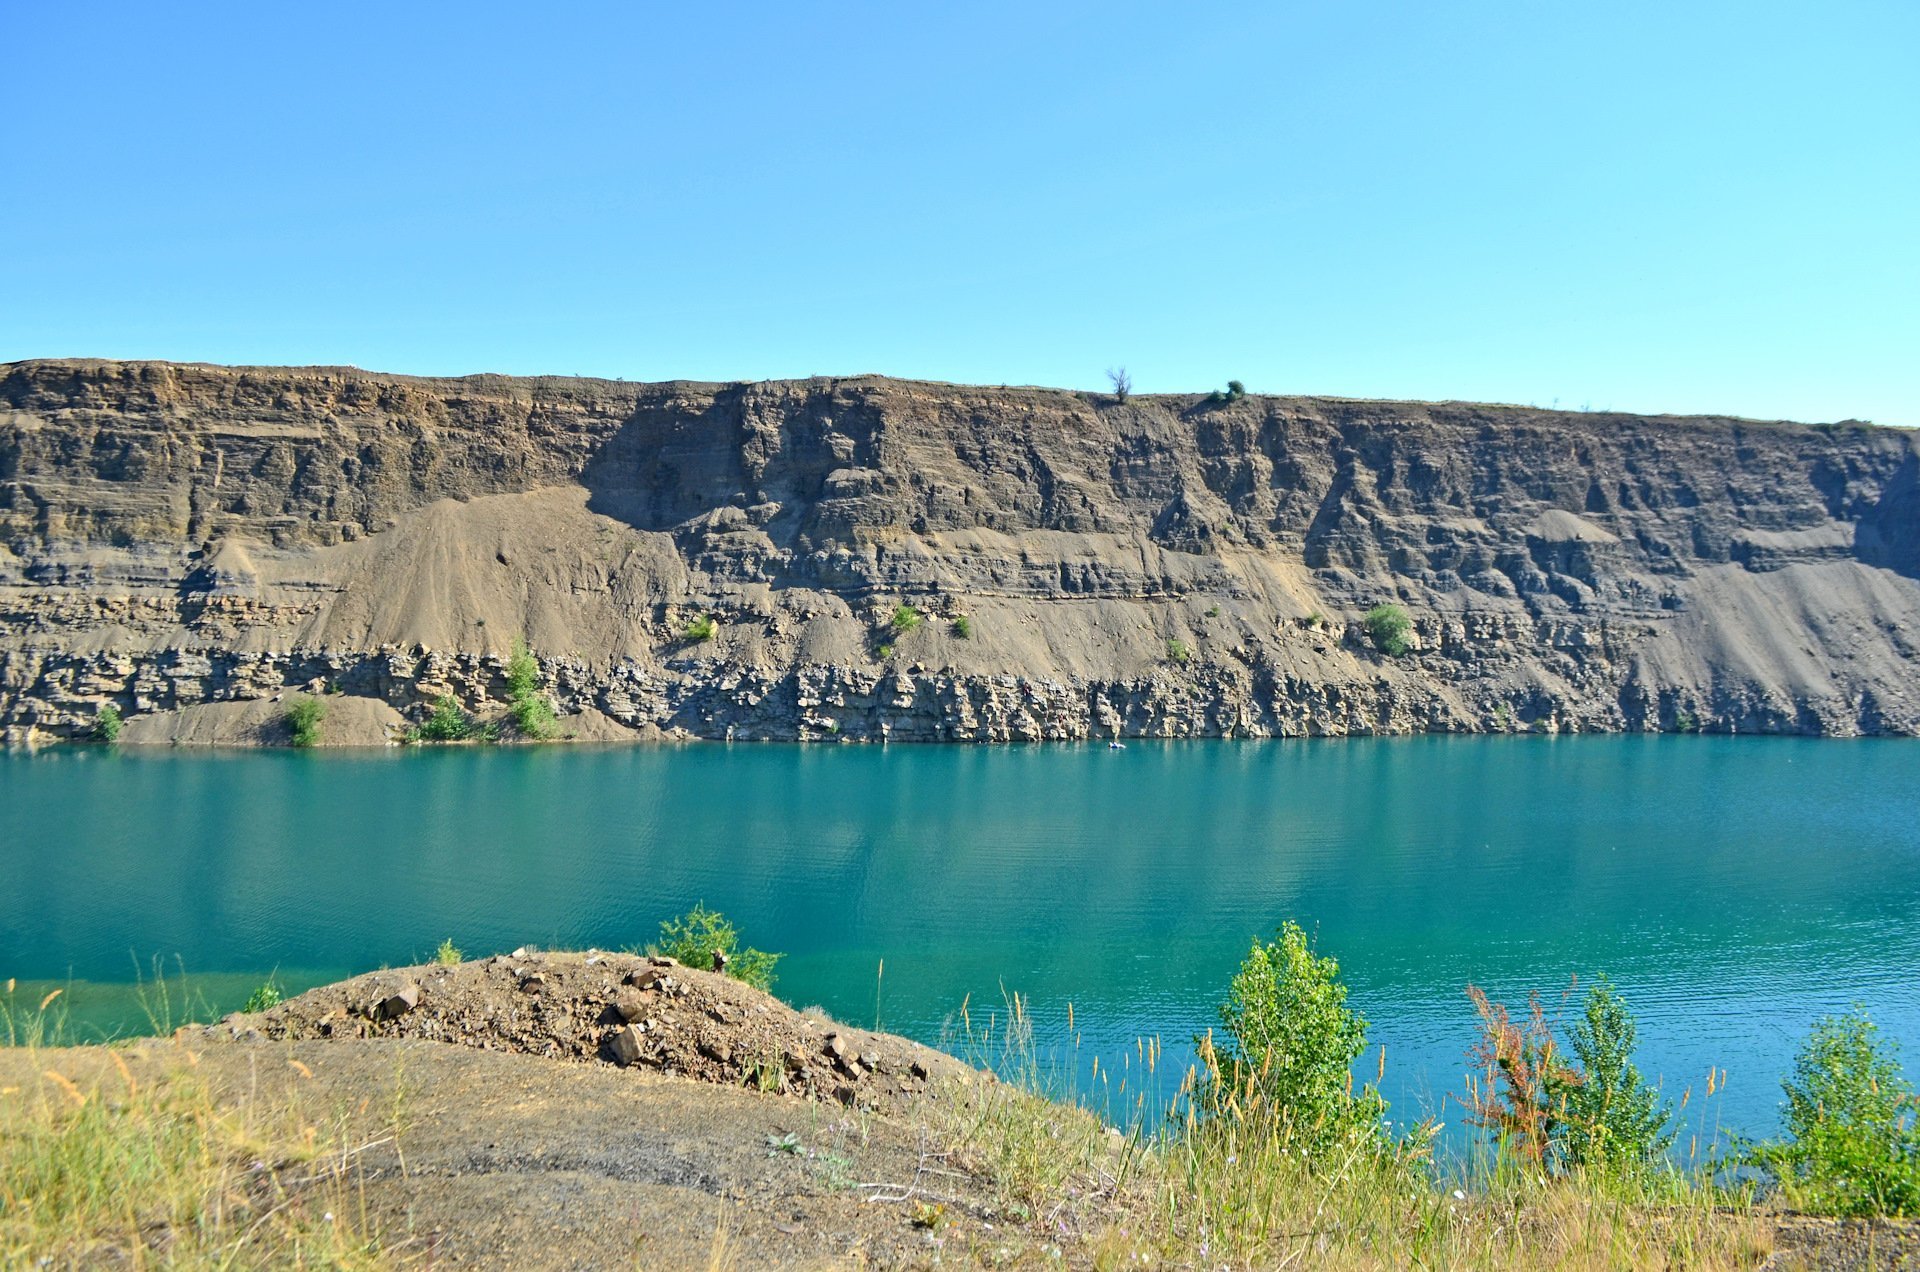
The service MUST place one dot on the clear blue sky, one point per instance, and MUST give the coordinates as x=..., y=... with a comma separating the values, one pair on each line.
x=1649, y=206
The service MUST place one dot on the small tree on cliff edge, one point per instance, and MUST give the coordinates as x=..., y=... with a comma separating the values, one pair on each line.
x=1122, y=382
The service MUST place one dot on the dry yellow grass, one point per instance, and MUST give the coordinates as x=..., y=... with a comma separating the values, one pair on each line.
x=122, y=1158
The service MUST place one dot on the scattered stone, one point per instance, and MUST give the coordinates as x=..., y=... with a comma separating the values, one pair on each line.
x=704, y=1026
x=630, y=1004
x=625, y=1045
x=404, y=998
x=918, y=1069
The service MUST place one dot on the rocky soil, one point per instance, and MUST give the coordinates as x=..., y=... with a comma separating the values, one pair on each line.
x=628, y=1010
x=191, y=544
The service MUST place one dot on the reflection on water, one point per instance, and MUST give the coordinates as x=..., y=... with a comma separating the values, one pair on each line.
x=1733, y=888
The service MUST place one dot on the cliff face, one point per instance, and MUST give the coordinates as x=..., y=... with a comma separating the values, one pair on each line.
x=188, y=542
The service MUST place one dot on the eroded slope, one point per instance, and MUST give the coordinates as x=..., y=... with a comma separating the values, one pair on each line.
x=190, y=536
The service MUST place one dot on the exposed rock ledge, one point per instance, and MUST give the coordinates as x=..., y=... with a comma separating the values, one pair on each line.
x=192, y=543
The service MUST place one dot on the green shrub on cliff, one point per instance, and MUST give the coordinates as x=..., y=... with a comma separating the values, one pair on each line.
x=694, y=938
x=303, y=717
x=700, y=629
x=1179, y=651
x=963, y=627
x=446, y=723
x=523, y=672
x=1388, y=628
x=532, y=711
x=535, y=717
x=106, y=725
x=905, y=619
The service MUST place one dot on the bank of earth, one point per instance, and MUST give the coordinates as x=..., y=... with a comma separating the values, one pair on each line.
x=593, y=1110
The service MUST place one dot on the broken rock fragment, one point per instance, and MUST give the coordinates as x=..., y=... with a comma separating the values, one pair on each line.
x=625, y=1045
x=403, y=998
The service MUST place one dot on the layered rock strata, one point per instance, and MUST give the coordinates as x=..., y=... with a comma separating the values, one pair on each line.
x=191, y=543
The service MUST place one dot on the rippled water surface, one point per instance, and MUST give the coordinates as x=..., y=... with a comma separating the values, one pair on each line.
x=1734, y=888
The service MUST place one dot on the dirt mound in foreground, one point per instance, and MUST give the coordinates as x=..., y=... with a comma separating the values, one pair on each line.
x=629, y=1010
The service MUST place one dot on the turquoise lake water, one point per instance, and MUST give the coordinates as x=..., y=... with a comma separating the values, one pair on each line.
x=1733, y=888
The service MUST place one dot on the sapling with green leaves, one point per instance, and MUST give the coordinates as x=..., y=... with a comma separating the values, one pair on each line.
x=1608, y=1120
x=532, y=711
x=1853, y=1148
x=1293, y=1044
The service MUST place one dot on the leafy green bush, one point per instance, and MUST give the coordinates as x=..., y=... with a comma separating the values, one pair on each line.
x=303, y=717
x=447, y=723
x=448, y=954
x=1607, y=1119
x=883, y=651
x=693, y=938
x=1178, y=650
x=533, y=713
x=523, y=671
x=535, y=717
x=267, y=996
x=700, y=629
x=1388, y=628
x=1235, y=389
x=1294, y=1042
x=963, y=627
x=1853, y=1148
x=905, y=619
x=106, y=725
